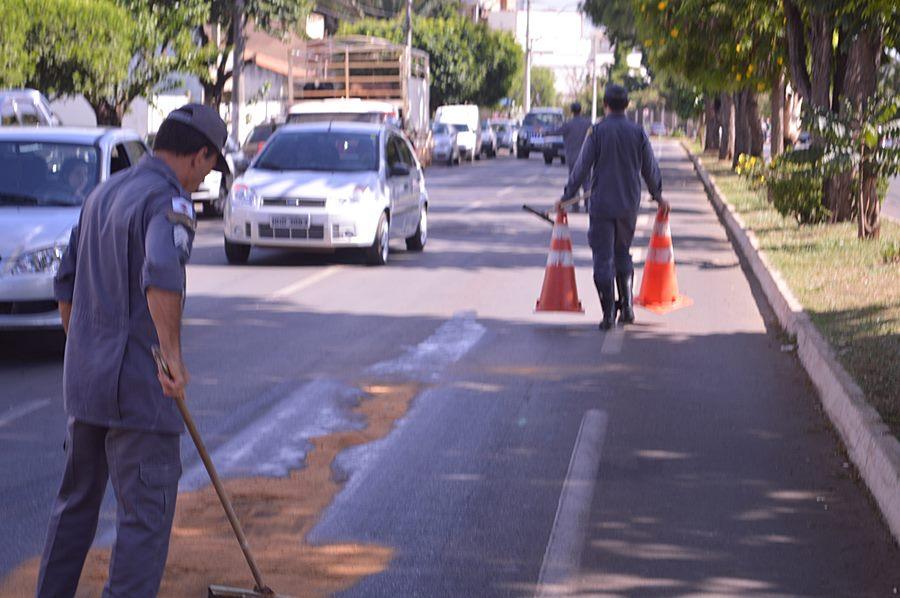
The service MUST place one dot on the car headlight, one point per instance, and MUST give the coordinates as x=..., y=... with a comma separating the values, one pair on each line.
x=243, y=196
x=359, y=194
x=39, y=261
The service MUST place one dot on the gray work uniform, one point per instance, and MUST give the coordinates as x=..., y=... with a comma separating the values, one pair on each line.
x=620, y=154
x=135, y=231
x=574, y=133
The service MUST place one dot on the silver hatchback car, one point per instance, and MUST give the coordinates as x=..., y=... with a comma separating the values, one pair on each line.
x=45, y=175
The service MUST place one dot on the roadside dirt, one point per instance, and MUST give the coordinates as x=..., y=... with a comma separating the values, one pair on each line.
x=276, y=513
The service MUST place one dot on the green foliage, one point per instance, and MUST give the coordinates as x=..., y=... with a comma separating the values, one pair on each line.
x=16, y=61
x=67, y=47
x=890, y=252
x=862, y=139
x=543, y=87
x=794, y=185
x=470, y=63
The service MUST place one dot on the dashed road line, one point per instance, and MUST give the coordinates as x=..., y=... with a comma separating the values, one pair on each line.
x=306, y=282
x=562, y=557
x=23, y=410
x=506, y=191
x=472, y=206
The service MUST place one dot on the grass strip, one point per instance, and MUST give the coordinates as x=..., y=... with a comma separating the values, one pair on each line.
x=847, y=286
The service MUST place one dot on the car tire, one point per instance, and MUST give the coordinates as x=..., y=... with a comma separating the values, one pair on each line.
x=548, y=159
x=420, y=237
x=236, y=253
x=522, y=154
x=377, y=254
x=218, y=205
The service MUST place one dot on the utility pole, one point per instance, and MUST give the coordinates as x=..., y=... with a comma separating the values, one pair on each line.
x=236, y=66
x=527, y=55
x=409, y=10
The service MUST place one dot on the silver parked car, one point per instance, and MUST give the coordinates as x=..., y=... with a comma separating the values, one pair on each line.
x=488, y=140
x=446, y=146
x=45, y=175
x=25, y=108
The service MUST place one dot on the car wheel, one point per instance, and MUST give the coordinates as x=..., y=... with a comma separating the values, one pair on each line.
x=377, y=254
x=236, y=253
x=562, y=159
x=420, y=237
x=548, y=159
x=522, y=154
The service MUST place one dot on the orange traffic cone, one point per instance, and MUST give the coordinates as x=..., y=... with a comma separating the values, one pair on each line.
x=659, y=288
x=559, y=292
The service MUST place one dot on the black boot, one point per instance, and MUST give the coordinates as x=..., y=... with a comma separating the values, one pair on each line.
x=607, y=303
x=624, y=282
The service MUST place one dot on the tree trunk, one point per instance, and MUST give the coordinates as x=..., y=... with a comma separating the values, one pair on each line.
x=711, y=140
x=863, y=60
x=640, y=114
x=107, y=114
x=776, y=120
x=741, y=126
x=757, y=137
x=726, y=115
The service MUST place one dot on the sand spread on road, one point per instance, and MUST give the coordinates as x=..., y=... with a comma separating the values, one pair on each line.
x=276, y=514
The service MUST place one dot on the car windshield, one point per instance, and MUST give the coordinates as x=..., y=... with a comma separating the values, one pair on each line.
x=461, y=128
x=441, y=129
x=37, y=173
x=332, y=151
x=546, y=119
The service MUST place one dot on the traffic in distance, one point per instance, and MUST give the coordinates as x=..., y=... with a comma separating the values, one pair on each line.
x=335, y=174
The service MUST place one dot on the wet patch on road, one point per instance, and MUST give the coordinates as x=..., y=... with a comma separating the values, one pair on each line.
x=276, y=513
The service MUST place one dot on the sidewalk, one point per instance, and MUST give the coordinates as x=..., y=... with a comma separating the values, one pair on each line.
x=720, y=473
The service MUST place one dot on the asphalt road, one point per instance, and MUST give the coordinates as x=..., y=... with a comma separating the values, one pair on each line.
x=891, y=205
x=686, y=454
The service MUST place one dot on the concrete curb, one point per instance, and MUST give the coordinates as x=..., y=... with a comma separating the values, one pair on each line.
x=869, y=442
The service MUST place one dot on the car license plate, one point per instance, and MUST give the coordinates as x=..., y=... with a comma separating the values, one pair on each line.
x=552, y=139
x=290, y=221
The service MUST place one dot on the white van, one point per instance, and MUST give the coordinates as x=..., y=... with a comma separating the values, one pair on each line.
x=464, y=118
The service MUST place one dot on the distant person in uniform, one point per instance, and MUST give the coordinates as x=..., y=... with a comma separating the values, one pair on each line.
x=620, y=154
x=120, y=289
x=573, y=133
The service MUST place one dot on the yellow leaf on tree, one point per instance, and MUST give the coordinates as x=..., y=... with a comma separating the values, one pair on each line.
x=662, y=5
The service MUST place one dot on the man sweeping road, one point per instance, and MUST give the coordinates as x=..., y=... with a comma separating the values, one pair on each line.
x=620, y=154
x=120, y=288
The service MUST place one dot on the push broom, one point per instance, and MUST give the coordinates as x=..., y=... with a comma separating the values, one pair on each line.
x=261, y=590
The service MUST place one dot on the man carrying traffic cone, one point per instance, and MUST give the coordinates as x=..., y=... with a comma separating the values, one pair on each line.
x=620, y=154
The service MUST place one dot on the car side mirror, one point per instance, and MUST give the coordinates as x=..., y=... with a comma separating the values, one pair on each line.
x=399, y=169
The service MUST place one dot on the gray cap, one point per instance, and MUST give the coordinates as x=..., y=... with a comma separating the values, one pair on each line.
x=208, y=122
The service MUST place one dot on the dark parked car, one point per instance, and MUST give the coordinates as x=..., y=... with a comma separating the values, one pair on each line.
x=257, y=139
x=531, y=135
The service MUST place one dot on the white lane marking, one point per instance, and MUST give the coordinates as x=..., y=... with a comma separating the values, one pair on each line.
x=23, y=410
x=446, y=346
x=505, y=191
x=306, y=282
x=472, y=206
x=612, y=342
x=563, y=555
